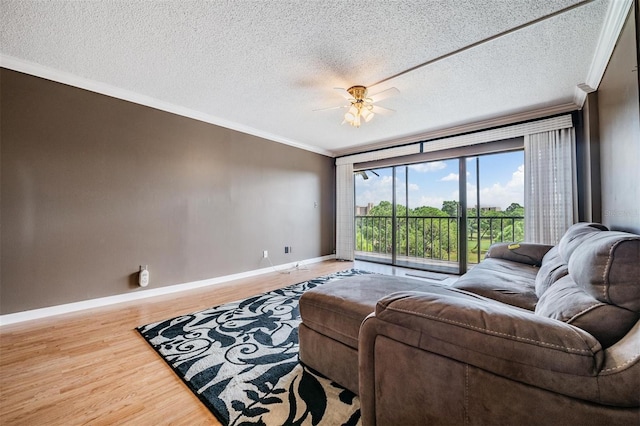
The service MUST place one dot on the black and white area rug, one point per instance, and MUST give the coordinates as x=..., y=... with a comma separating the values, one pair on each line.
x=241, y=360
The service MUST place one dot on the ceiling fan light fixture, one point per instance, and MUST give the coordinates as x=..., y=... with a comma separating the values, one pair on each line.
x=360, y=109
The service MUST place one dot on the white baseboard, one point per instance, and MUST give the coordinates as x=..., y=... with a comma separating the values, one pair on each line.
x=143, y=294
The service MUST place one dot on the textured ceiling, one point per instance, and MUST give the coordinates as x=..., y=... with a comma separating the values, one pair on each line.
x=263, y=67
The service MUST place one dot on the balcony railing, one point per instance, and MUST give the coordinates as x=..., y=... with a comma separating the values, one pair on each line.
x=434, y=237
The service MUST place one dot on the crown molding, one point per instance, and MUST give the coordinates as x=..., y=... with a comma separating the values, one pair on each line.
x=614, y=21
x=580, y=93
x=58, y=76
x=464, y=128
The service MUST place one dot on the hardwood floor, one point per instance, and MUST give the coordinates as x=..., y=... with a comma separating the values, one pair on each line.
x=92, y=367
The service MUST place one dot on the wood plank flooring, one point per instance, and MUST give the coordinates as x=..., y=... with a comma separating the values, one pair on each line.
x=92, y=367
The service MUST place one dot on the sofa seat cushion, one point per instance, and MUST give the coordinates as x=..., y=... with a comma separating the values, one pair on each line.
x=337, y=309
x=568, y=302
x=502, y=280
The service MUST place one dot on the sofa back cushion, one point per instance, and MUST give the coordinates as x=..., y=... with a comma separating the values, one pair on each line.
x=607, y=266
x=554, y=264
x=601, y=294
x=575, y=235
x=553, y=268
x=568, y=302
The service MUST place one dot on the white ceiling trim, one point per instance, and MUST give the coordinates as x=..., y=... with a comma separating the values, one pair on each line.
x=58, y=76
x=611, y=30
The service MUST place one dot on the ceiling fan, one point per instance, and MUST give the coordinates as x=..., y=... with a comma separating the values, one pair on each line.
x=364, y=174
x=361, y=107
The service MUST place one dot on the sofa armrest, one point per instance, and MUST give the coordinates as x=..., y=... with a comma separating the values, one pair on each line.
x=491, y=335
x=527, y=253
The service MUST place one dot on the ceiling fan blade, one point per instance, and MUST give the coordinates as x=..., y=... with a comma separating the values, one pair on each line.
x=377, y=109
x=333, y=107
x=392, y=91
x=343, y=93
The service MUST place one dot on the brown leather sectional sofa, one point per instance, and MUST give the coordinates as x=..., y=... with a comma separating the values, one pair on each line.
x=533, y=335
x=554, y=344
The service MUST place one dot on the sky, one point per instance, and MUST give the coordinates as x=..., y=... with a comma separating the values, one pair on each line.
x=501, y=182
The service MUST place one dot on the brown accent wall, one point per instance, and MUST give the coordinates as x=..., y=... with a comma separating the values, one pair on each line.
x=93, y=186
x=619, y=123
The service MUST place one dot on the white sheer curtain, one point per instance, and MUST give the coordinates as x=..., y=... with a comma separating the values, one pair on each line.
x=345, y=195
x=549, y=185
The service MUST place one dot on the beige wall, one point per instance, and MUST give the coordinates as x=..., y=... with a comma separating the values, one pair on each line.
x=92, y=187
x=619, y=122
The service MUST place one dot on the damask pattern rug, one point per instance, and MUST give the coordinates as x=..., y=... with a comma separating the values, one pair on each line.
x=241, y=360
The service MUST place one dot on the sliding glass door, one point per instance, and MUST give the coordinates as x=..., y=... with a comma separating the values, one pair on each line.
x=427, y=235
x=400, y=218
x=374, y=218
x=439, y=215
x=495, y=201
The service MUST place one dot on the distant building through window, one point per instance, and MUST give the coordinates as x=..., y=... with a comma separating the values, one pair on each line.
x=363, y=211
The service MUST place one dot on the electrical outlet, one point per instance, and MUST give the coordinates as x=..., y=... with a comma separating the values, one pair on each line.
x=265, y=254
x=286, y=249
x=143, y=276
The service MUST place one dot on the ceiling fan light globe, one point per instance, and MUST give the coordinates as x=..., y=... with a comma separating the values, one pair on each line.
x=349, y=117
x=366, y=115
